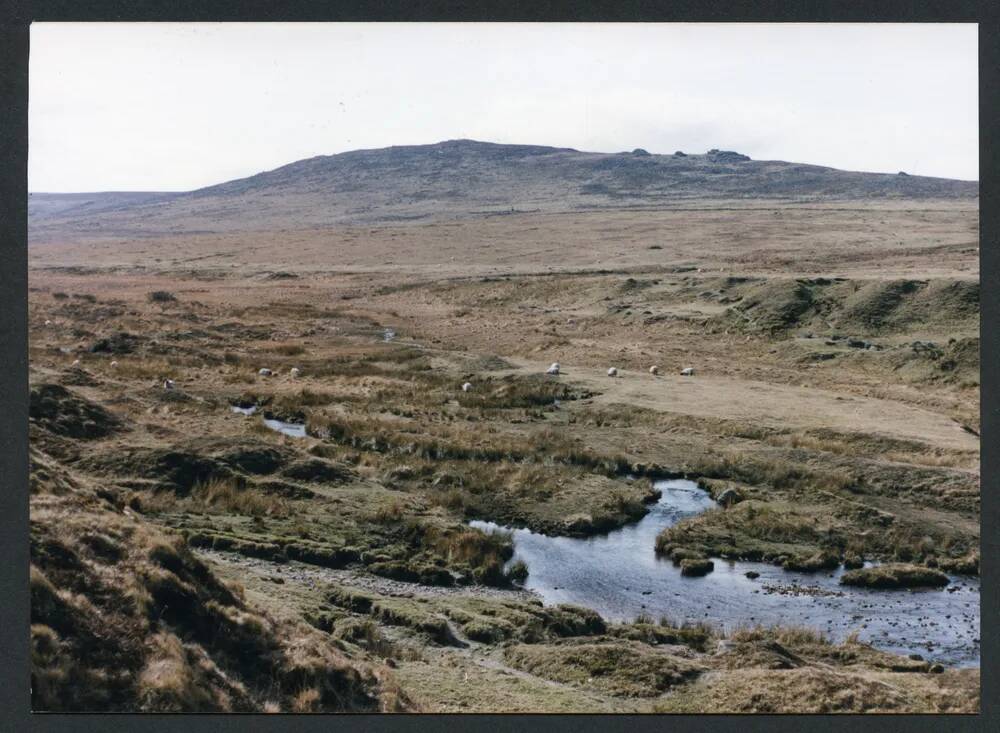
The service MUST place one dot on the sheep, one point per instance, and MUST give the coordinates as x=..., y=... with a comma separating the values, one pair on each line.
x=612, y=372
x=265, y=372
x=467, y=386
x=168, y=384
x=114, y=365
x=294, y=372
x=76, y=363
x=654, y=370
x=554, y=369
x=48, y=323
x=687, y=372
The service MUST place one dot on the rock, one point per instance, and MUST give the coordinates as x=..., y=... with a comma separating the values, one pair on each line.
x=680, y=154
x=640, y=152
x=612, y=372
x=936, y=668
x=687, y=372
x=726, y=156
x=752, y=574
x=917, y=657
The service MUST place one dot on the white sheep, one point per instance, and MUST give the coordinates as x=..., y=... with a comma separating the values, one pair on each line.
x=687, y=372
x=168, y=384
x=294, y=372
x=76, y=363
x=114, y=365
x=612, y=372
x=48, y=323
x=654, y=370
x=467, y=386
x=554, y=369
x=265, y=372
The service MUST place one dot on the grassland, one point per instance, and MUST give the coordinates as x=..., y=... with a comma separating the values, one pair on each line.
x=838, y=403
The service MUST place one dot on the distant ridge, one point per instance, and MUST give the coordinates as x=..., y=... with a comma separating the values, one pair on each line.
x=465, y=178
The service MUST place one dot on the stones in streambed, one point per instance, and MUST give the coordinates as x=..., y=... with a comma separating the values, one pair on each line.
x=895, y=575
x=752, y=574
x=693, y=567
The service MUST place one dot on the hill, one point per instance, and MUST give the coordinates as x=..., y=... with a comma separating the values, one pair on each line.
x=460, y=179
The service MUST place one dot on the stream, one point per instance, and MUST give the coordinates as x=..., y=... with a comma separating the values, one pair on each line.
x=619, y=576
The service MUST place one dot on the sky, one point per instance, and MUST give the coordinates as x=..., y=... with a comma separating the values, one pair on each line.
x=178, y=106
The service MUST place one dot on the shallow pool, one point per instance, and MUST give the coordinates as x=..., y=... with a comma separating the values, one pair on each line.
x=292, y=429
x=619, y=576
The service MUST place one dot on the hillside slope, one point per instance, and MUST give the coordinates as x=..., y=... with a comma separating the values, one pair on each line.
x=463, y=178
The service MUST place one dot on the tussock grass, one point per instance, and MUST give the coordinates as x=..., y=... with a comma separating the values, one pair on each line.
x=214, y=496
x=894, y=575
x=285, y=349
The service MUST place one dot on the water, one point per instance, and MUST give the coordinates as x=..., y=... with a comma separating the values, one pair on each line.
x=619, y=576
x=291, y=429
x=294, y=430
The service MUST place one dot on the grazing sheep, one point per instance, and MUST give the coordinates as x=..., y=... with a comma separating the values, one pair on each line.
x=168, y=384
x=612, y=372
x=114, y=365
x=687, y=372
x=48, y=323
x=294, y=372
x=265, y=372
x=76, y=363
x=654, y=370
x=467, y=386
x=554, y=369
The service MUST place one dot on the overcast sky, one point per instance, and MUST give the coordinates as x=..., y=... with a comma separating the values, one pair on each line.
x=177, y=106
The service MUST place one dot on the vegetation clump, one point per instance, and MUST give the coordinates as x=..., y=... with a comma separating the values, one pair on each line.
x=696, y=567
x=895, y=575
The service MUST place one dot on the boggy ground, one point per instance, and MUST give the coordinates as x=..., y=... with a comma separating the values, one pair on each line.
x=842, y=410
